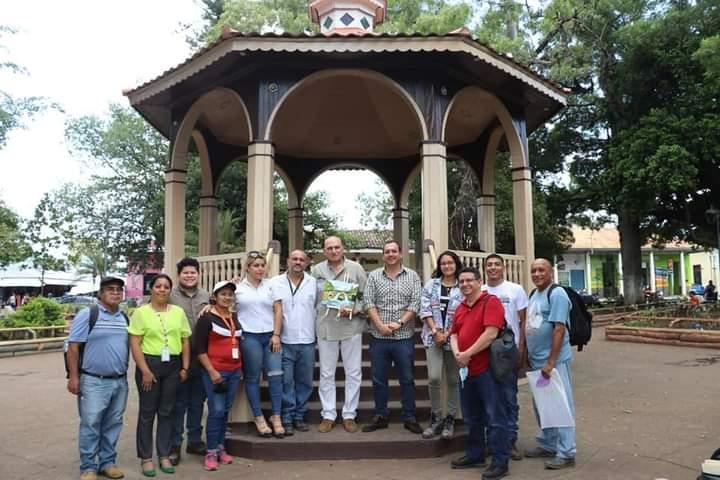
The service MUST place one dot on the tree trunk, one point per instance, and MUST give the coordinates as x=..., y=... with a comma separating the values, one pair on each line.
x=630, y=243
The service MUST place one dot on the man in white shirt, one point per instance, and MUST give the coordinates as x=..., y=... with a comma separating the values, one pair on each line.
x=298, y=293
x=515, y=302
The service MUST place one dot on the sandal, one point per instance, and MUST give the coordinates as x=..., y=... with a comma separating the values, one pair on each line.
x=262, y=427
x=150, y=472
x=166, y=465
x=278, y=429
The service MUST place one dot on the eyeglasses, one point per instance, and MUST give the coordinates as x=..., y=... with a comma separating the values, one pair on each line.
x=255, y=254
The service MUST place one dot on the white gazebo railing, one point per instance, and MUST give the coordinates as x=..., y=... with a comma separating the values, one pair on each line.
x=215, y=268
x=514, y=264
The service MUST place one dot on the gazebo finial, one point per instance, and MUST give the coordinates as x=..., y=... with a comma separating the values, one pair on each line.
x=347, y=16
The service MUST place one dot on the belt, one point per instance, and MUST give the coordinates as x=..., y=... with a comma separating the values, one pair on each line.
x=104, y=377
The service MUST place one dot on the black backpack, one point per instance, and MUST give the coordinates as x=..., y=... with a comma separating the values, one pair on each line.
x=580, y=318
x=94, y=313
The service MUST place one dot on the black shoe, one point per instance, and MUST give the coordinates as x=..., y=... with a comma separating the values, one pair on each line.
x=413, y=426
x=301, y=426
x=538, y=452
x=495, y=471
x=196, y=448
x=175, y=455
x=377, y=423
x=289, y=431
x=465, y=462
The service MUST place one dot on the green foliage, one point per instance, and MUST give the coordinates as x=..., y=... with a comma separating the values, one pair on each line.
x=120, y=211
x=13, y=247
x=38, y=312
x=16, y=111
x=45, y=240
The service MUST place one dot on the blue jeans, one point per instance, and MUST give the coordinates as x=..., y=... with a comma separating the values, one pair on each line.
x=258, y=358
x=101, y=405
x=483, y=408
x=298, y=363
x=510, y=393
x=383, y=354
x=189, y=399
x=560, y=440
x=219, y=406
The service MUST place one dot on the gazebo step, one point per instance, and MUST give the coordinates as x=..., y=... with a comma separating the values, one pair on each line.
x=394, y=442
x=366, y=410
x=420, y=371
x=366, y=390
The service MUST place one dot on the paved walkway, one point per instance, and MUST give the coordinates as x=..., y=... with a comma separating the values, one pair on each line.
x=644, y=412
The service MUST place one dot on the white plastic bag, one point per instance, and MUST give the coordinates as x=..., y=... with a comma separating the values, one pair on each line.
x=550, y=400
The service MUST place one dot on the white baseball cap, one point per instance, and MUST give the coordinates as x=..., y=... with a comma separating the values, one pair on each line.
x=224, y=284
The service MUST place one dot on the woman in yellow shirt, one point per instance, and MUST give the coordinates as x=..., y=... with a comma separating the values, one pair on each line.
x=159, y=341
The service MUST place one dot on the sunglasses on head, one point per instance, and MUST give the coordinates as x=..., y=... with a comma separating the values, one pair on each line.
x=255, y=254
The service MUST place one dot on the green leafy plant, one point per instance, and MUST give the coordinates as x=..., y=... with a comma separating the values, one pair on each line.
x=38, y=312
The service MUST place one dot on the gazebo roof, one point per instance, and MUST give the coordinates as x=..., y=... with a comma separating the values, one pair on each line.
x=459, y=42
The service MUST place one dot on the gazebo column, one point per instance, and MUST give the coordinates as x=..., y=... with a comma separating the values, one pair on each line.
x=261, y=165
x=401, y=231
x=523, y=217
x=434, y=199
x=208, y=234
x=486, y=202
x=486, y=222
x=295, y=228
x=175, y=186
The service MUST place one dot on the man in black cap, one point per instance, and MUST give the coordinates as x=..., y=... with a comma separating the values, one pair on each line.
x=97, y=360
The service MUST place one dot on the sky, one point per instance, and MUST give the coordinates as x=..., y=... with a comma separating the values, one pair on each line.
x=81, y=54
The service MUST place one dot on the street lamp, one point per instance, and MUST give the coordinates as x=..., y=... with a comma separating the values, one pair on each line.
x=712, y=215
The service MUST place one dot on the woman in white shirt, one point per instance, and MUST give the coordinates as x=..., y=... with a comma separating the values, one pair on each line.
x=261, y=351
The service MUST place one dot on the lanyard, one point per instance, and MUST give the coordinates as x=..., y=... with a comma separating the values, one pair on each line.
x=162, y=328
x=293, y=291
x=230, y=324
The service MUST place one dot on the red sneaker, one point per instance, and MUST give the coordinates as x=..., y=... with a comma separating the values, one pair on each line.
x=223, y=457
x=211, y=461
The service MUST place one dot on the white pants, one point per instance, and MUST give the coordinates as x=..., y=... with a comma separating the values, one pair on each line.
x=351, y=350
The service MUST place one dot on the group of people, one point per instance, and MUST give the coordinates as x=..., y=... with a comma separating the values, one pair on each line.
x=190, y=346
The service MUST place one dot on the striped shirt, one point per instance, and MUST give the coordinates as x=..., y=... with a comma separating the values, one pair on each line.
x=391, y=297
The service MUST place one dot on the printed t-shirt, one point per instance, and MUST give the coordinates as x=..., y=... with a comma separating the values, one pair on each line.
x=539, y=326
x=157, y=327
x=212, y=336
x=513, y=298
x=470, y=323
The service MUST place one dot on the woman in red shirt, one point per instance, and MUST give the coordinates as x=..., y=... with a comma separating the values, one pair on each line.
x=217, y=343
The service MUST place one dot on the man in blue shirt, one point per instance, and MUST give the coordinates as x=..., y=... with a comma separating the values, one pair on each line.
x=99, y=378
x=548, y=347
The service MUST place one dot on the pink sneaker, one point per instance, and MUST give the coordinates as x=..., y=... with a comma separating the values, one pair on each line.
x=223, y=457
x=211, y=461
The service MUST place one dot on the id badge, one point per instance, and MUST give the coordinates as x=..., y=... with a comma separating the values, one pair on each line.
x=235, y=353
x=165, y=354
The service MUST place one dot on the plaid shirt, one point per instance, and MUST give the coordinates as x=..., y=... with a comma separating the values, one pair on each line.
x=391, y=298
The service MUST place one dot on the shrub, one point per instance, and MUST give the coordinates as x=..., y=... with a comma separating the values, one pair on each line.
x=38, y=312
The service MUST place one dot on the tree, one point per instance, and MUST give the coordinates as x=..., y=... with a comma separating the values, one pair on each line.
x=46, y=244
x=13, y=247
x=121, y=208
x=16, y=111
x=640, y=123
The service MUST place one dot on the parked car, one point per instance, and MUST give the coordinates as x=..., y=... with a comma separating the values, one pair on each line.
x=697, y=289
x=76, y=300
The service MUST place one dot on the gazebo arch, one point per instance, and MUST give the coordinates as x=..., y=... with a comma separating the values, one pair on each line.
x=326, y=74
x=212, y=114
x=475, y=110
